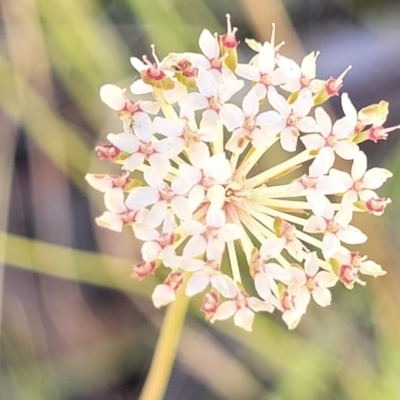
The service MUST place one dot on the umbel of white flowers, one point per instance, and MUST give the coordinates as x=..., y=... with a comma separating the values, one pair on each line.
x=200, y=199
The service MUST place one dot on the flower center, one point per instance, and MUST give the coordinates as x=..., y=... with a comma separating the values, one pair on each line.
x=332, y=226
x=308, y=181
x=311, y=283
x=249, y=123
x=292, y=120
x=146, y=148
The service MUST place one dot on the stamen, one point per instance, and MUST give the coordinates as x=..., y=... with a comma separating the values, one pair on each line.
x=270, y=173
x=234, y=262
x=273, y=32
x=228, y=24
x=153, y=51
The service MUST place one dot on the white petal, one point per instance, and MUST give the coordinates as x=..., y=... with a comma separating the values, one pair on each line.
x=228, y=89
x=260, y=139
x=250, y=104
x=244, y=318
x=153, y=179
x=149, y=107
x=295, y=249
x=313, y=141
x=375, y=177
x=196, y=196
x=143, y=126
x=197, y=283
x=320, y=165
x=258, y=305
x=248, y=72
x=173, y=96
x=352, y=235
x=322, y=296
x=144, y=232
x=302, y=299
x=317, y=201
x=323, y=121
x=315, y=224
x=139, y=87
x=230, y=232
x=160, y=164
x=132, y=162
x=180, y=186
x=346, y=150
x=271, y=248
x=266, y=58
x=215, y=217
x=216, y=195
x=225, y=311
x=114, y=200
x=194, y=227
x=192, y=102
x=218, y=168
x=269, y=118
x=330, y=244
x=150, y=251
x=343, y=128
x=307, y=125
x=195, y=246
x=311, y=264
x=359, y=166
x=345, y=179
x=100, y=182
x=278, y=102
x=181, y=207
x=326, y=279
x=230, y=116
x=225, y=285
x=167, y=127
x=323, y=162
x=168, y=256
x=288, y=139
x=189, y=264
x=208, y=44
x=206, y=83
x=330, y=185
x=191, y=174
x=348, y=107
x=308, y=65
x=263, y=286
x=198, y=153
x=142, y=196
x=124, y=141
x=277, y=272
x=292, y=318
x=303, y=104
x=113, y=96
x=162, y=295
x=110, y=221
x=138, y=64
x=157, y=214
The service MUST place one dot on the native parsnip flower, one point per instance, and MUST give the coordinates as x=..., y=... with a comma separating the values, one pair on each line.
x=200, y=196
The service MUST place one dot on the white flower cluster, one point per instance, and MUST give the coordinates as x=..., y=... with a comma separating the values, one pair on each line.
x=201, y=199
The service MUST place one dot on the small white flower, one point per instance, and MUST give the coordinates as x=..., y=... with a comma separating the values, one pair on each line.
x=194, y=192
x=294, y=117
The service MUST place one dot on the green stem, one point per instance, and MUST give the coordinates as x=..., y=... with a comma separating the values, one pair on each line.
x=167, y=345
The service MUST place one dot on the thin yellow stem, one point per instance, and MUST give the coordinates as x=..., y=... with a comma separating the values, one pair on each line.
x=234, y=262
x=286, y=165
x=217, y=145
x=167, y=345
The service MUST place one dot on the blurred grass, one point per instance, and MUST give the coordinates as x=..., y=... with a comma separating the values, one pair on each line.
x=84, y=51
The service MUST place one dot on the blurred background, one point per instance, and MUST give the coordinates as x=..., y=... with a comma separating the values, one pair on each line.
x=74, y=325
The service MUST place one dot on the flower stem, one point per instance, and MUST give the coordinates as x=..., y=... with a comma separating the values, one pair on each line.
x=165, y=352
